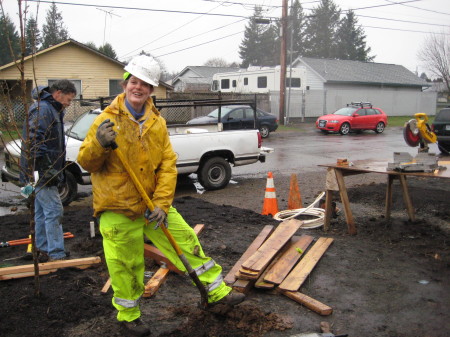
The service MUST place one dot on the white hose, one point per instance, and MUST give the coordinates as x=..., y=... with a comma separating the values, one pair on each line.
x=319, y=213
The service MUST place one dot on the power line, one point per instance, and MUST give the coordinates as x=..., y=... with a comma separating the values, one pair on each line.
x=172, y=31
x=422, y=9
x=200, y=44
x=140, y=9
x=404, y=30
x=405, y=21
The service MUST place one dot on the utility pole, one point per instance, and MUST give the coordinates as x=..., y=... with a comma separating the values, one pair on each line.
x=283, y=61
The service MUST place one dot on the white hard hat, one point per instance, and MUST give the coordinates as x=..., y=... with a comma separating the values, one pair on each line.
x=145, y=68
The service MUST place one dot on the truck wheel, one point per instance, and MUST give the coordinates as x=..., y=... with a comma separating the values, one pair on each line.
x=264, y=131
x=214, y=174
x=69, y=190
x=344, y=129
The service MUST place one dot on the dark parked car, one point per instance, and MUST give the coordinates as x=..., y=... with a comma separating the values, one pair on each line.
x=235, y=117
x=441, y=127
x=354, y=117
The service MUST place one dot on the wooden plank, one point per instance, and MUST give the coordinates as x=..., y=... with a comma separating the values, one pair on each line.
x=345, y=202
x=243, y=286
x=260, y=282
x=309, y=302
x=407, y=198
x=278, y=272
x=301, y=271
x=106, y=286
x=328, y=209
x=250, y=277
x=26, y=274
x=230, y=278
x=155, y=282
x=50, y=265
x=262, y=257
x=155, y=254
x=161, y=274
x=388, y=206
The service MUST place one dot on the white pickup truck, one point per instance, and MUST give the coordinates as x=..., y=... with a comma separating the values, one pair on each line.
x=207, y=151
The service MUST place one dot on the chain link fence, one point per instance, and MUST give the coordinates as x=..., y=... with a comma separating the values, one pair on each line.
x=178, y=108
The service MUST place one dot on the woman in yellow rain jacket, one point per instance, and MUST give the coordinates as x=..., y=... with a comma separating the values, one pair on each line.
x=133, y=122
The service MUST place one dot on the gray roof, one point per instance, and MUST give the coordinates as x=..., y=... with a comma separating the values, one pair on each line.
x=346, y=71
x=204, y=73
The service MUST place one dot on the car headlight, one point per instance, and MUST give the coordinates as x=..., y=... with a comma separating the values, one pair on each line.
x=333, y=121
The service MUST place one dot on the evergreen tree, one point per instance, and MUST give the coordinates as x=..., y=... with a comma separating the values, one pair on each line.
x=9, y=39
x=53, y=30
x=297, y=30
x=321, y=30
x=108, y=50
x=257, y=47
x=32, y=36
x=91, y=45
x=351, y=44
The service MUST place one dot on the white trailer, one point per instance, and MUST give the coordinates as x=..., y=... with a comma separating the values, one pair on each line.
x=258, y=80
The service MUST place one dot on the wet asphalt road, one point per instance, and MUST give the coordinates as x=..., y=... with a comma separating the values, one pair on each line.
x=301, y=149
x=306, y=148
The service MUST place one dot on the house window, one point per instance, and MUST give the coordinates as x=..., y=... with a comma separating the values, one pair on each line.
x=115, y=87
x=262, y=82
x=234, y=83
x=76, y=83
x=294, y=81
x=245, y=80
x=225, y=84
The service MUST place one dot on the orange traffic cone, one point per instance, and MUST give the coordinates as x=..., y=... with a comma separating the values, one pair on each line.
x=270, y=198
x=295, y=199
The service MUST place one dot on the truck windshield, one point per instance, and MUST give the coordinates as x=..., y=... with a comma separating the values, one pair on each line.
x=81, y=126
x=215, y=113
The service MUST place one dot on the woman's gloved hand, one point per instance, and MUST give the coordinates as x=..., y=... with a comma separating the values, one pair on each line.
x=157, y=215
x=105, y=133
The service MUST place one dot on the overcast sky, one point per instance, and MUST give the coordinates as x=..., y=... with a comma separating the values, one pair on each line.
x=188, y=33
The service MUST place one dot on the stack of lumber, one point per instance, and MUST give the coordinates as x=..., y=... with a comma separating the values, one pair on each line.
x=278, y=259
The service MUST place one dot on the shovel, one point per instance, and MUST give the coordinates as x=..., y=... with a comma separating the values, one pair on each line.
x=149, y=203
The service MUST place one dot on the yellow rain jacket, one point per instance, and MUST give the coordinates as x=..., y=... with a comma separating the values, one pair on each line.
x=147, y=148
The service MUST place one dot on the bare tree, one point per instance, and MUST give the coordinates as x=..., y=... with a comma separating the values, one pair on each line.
x=435, y=54
x=216, y=62
x=12, y=126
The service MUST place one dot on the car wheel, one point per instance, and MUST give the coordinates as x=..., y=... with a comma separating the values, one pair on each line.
x=344, y=129
x=444, y=147
x=214, y=173
x=264, y=131
x=379, y=128
x=69, y=190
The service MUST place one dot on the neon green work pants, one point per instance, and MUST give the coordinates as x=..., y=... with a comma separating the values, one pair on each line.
x=123, y=244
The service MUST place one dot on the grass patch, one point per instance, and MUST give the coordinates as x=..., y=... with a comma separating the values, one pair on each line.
x=401, y=120
x=8, y=135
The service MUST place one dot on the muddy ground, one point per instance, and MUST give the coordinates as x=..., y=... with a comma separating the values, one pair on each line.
x=390, y=280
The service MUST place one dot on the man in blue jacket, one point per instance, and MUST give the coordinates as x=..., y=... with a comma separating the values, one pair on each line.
x=44, y=151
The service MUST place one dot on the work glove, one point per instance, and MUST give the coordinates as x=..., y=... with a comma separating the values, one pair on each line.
x=157, y=215
x=105, y=133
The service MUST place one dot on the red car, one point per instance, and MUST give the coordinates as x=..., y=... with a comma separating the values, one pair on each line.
x=355, y=116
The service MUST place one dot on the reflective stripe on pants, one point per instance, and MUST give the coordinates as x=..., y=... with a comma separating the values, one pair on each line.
x=124, y=253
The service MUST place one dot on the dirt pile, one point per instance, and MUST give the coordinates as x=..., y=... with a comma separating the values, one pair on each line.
x=391, y=279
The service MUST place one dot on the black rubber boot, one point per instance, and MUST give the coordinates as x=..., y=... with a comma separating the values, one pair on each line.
x=136, y=328
x=232, y=299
